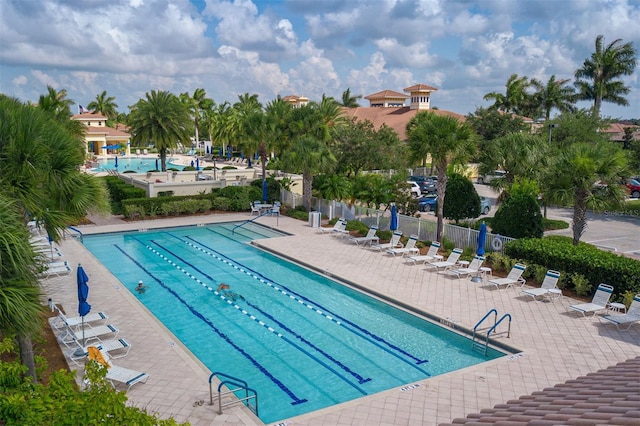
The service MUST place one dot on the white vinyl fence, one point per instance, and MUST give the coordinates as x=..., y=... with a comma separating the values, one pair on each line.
x=423, y=228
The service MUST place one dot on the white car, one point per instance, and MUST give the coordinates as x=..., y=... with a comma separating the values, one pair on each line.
x=498, y=174
x=414, y=188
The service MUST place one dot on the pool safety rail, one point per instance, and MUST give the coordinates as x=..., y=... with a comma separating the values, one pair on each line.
x=76, y=230
x=233, y=385
x=477, y=343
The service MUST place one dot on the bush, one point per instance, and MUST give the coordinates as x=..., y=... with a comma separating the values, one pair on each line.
x=461, y=200
x=360, y=227
x=519, y=217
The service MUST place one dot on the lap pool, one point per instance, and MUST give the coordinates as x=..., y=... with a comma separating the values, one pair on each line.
x=302, y=341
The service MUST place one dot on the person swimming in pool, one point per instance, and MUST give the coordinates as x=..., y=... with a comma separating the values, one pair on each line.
x=223, y=286
x=227, y=293
x=141, y=288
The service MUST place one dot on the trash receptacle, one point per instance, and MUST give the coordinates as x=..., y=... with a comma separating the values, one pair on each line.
x=314, y=219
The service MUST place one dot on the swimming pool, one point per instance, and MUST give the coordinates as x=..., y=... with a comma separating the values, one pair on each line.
x=139, y=164
x=303, y=341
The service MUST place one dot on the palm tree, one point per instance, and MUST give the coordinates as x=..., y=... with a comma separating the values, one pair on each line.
x=56, y=102
x=162, y=120
x=105, y=105
x=597, y=80
x=554, y=95
x=195, y=104
x=349, y=101
x=574, y=179
x=515, y=97
x=219, y=120
x=448, y=140
x=40, y=175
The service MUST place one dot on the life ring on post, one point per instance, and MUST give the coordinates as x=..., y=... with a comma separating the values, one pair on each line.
x=496, y=244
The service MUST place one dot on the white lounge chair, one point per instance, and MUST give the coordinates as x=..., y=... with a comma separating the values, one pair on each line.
x=56, y=271
x=598, y=302
x=339, y=225
x=62, y=321
x=432, y=255
x=472, y=268
x=632, y=316
x=254, y=208
x=341, y=231
x=451, y=261
x=116, y=374
x=116, y=348
x=514, y=277
x=410, y=248
x=74, y=338
x=370, y=238
x=395, y=242
x=550, y=282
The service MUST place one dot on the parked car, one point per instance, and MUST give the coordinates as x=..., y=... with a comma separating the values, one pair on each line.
x=485, y=205
x=428, y=202
x=414, y=188
x=497, y=174
x=634, y=187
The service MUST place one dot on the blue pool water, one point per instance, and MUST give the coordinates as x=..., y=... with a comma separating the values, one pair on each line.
x=303, y=341
x=139, y=164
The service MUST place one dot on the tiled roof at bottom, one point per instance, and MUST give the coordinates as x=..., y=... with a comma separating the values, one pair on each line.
x=606, y=397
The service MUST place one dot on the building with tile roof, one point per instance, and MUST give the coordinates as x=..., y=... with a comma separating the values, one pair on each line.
x=101, y=139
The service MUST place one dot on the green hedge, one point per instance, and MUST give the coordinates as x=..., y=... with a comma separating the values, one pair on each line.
x=598, y=266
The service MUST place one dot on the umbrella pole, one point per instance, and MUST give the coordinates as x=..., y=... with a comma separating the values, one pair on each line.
x=80, y=351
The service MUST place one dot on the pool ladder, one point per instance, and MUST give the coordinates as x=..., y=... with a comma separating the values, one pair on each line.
x=478, y=345
x=233, y=384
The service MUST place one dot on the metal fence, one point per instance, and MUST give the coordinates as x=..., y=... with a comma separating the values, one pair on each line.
x=425, y=229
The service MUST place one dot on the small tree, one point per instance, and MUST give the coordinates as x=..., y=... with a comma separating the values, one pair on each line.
x=461, y=200
x=520, y=216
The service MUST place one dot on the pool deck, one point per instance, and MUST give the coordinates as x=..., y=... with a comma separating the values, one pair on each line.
x=555, y=345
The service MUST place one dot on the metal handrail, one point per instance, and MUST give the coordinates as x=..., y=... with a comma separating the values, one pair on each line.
x=250, y=220
x=475, y=328
x=239, y=385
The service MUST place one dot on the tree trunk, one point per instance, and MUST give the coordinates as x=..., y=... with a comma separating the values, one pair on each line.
x=163, y=159
x=441, y=187
x=307, y=180
x=26, y=355
x=579, y=224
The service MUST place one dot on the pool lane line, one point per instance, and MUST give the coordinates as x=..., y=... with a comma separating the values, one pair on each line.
x=308, y=303
x=197, y=314
x=357, y=376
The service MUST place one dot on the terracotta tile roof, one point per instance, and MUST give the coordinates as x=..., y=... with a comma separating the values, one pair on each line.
x=386, y=94
x=420, y=88
x=396, y=118
x=88, y=116
x=606, y=397
x=104, y=130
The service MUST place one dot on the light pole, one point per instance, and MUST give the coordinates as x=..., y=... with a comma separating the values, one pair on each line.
x=551, y=126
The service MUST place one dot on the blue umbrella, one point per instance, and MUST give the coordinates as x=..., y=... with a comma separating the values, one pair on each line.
x=157, y=168
x=207, y=149
x=393, y=225
x=248, y=161
x=229, y=152
x=83, y=292
x=264, y=191
x=116, y=161
x=220, y=152
x=482, y=236
x=192, y=163
x=197, y=164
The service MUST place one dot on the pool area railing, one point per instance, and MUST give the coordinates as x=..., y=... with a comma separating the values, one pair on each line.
x=483, y=347
x=226, y=380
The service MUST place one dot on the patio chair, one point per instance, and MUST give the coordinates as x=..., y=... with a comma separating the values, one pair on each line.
x=598, y=302
x=550, y=282
x=339, y=225
x=116, y=374
x=370, y=238
x=432, y=255
x=514, y=277
x=410, y=248
x=451, y=261
x=62, y=321
x=254, y=208
x=395, y=242
x=56, y=271
x=74, y=338
x=471, y=269
x=632, y=316
x=116, y=348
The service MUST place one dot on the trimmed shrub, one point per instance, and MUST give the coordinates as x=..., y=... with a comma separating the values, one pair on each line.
x=461, y=200
x=519, y=217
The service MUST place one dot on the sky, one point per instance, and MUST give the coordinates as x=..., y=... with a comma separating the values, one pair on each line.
x=308, y=48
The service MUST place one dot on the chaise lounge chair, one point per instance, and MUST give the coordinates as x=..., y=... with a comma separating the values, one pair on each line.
x=550, y=282
x=71, y=338
x=370, y=238
x=62, y=321
x=116, y=348
x=451, y=261
x=55, y=271
x=337, y=227
x=432, y=255
x=514, y=277
x=395, y=242
x=116, y=374
x=631, y=317
x=410, y=248
x=598, y=303
x=473, y=268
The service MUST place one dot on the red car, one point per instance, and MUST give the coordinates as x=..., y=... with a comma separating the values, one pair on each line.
x=634, y=187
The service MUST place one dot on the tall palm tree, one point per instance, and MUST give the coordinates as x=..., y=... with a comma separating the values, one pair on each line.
x=573, y=179
x=39, y=173
x=598, y=79
x=349, y=101
x=56, y=102
x=162, y=120
x=195, y=104
x=555, y=94
x=219, y=121
x=106, y=105
x=515, y=96
x=448, y=140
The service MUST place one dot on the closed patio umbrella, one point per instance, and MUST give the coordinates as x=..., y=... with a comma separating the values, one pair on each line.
x=116, y=161
x=83, y=293
x=264, y=191
x=393, y=225
x=482, y=236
